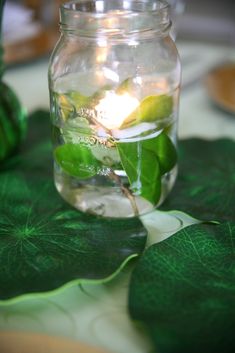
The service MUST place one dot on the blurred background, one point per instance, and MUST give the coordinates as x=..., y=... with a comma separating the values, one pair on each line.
x=31, y=27
x=205, y=36
x=208, y=20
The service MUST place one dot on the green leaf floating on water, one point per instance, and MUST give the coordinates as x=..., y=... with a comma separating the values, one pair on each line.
x=46, y=244
x=151, y=108
x=71, y=102
x=125, y=87
x=79, y=99
x=77, y=160
x=145, y=161
x=183, y=290
x=205, y=186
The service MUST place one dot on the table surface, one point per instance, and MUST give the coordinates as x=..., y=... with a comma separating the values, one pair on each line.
x=97, y=314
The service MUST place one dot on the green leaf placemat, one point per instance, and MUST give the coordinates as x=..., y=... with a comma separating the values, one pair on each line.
x=45, y=243
x=205, y=187
x=183, y=290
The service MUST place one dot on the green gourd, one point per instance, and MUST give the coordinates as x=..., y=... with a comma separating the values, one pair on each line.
x=12, y=116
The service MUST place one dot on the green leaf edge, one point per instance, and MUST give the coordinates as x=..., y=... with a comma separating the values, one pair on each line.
x=203, y=221
x=46, y=294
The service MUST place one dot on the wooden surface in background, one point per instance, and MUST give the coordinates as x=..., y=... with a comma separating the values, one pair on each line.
x=31, y=48
x=43, y=42
x=21, y=342
x=220, y=84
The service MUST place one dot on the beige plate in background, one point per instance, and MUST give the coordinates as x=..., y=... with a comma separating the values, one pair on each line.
x=220, y=84
x=32, y=48
x=22, y=342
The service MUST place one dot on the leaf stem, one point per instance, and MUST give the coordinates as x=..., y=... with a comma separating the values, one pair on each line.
x=125, y=191
x=114, y=176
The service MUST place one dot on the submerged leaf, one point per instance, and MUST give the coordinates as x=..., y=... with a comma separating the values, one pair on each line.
x=165, y=150
x=126, y=86
x=142, y=169
x=183, y=290
x=78, y=99
x=145, y=161
x=77, y=160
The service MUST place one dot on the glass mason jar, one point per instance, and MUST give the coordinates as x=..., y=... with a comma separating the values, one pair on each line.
x=114, y=81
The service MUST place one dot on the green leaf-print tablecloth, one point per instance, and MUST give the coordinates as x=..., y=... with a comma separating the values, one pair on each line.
x=45, y=243
x=205, y=187
x=183, y=289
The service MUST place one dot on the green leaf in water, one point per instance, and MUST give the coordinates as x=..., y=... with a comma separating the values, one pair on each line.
x=151, y=108
x=108, y=156
x=71, y=103
x=165, y=150
x=78, y=99
x=183, y=290
x=81, y=101
x=125, y=87
x=142, y=168
x=145, y=161
x=77, y=160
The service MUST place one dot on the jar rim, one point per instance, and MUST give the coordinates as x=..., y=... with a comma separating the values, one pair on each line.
x=98, y=8
x=115, y=17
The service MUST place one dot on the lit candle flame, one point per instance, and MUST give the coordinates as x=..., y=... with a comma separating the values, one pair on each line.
x=113, y=109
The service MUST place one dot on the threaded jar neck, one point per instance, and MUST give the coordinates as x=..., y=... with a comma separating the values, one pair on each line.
x=115, y=18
